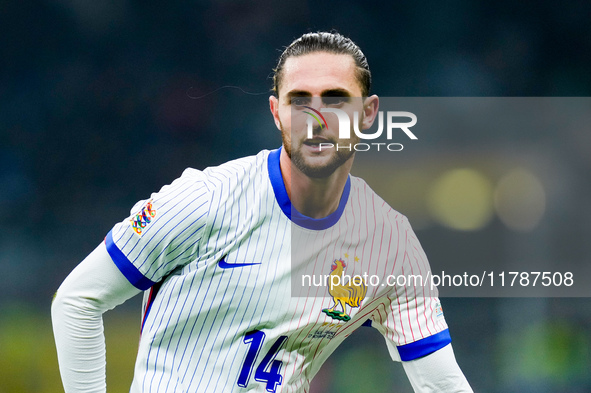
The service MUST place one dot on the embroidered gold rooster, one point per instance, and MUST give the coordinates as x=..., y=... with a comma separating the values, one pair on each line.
x=350, y=293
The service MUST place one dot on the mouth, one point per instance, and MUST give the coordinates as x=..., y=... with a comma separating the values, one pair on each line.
x=318, y=143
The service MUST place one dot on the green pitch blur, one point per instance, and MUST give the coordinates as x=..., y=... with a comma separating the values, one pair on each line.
x=28, y=360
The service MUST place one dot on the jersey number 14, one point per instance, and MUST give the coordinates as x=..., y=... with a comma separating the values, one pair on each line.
x=273, y=376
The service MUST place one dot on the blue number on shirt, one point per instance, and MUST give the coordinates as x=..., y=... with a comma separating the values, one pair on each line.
x=255, y=339
x=273, y=376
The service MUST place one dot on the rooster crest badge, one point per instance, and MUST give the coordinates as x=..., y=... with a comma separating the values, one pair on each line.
x=350, y=292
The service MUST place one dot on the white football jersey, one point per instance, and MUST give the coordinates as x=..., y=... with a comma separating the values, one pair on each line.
x=224, y=259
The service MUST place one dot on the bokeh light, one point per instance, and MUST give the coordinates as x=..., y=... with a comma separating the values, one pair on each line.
x=407, y=191
x=461, y=199
x=520, y=200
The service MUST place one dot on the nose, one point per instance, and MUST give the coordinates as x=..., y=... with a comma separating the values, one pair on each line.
x=316, y=103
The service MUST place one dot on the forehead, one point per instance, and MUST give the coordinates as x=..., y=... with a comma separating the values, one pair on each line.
x=320, y=71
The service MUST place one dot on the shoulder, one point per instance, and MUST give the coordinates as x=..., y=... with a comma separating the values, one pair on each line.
x=236, y=181
x=230, y=172
x=204, y=184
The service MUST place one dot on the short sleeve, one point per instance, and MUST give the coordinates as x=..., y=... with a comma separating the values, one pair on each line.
x=410, y=316
x=163, y=232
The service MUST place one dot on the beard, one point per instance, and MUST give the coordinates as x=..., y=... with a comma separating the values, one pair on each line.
x=294, y=152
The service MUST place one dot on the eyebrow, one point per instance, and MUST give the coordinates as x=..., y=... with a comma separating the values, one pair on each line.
x=324, y=93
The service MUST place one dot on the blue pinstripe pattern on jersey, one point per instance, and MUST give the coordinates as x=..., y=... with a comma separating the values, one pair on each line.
x=237, y=218
x=204, y=322
x=227, y=332
x=269, y=295
x=277, y=233
x=181, y=335
x=258, y=301
x=200, y=383
x=263, y=208
x=268, y=205
x=190, y=247
x=162, y=226
x=162, y=202
x=160, y=320
x=147, y=364
x=211, y=326
x=166, y=352
x=170, y=261
x=129, y=237
x=250, y=224
x=189, y=236
x=183, y=259
x=220, y=192
x=132, y=274
x=168, y=309
x=145, y=238
x=190, y=335
x=274, y=272
x=170, y=192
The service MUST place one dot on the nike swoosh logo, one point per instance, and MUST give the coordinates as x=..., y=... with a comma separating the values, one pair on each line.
x=225, y=265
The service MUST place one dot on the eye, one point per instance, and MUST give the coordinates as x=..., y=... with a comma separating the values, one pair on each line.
x=300, y=101
x=334, y=101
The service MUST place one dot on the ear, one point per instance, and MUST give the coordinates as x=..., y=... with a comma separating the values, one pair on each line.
x=274, y=107
x=370, y=111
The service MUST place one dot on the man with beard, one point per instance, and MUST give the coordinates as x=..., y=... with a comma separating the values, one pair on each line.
x=213, y=252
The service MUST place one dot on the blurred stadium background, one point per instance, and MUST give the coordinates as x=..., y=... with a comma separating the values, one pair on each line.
x=96, y=113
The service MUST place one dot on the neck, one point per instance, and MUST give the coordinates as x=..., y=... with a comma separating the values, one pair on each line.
x=315, y=198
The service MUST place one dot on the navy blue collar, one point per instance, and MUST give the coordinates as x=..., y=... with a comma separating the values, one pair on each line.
x=290, y=211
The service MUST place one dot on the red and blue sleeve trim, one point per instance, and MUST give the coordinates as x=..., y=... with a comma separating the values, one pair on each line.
x=424, y=346
x=153, y=292
x=135, y=277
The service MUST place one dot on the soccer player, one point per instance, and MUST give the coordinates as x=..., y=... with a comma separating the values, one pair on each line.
x=215, y=253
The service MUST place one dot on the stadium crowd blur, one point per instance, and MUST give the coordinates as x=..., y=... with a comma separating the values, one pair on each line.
x=102, y=103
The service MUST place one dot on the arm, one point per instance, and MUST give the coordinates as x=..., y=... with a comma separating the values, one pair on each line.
x=437, y=372
x=93, y=287
x=414, y=327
